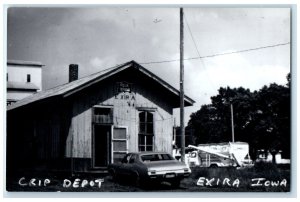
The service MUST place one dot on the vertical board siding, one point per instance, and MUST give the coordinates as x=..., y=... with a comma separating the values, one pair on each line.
x=47, y=132
x=125, y=113
x=162, y=123
x=63, y=126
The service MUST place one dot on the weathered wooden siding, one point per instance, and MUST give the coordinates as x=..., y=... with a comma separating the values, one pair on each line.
x=125, y=113
x=47, y=134
x=61, y=125
x=163, y=119
x=34, y=136
x=80, y=131
x=47, y=131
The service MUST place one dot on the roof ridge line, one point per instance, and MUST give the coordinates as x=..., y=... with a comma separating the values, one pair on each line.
x=116, y=66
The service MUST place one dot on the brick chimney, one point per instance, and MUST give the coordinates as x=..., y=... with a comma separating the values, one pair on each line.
x=73, y=72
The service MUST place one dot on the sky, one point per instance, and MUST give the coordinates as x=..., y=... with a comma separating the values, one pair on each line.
x=97, y=38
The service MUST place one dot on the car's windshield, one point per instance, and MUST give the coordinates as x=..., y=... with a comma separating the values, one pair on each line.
x=156, y=157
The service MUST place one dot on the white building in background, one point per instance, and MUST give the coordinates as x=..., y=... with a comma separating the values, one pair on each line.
x=24, y=78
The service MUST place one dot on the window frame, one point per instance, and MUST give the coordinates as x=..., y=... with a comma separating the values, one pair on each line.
x=144, y=133
x=113, y=139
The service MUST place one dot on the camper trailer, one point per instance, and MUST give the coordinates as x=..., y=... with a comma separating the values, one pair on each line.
x=231, y=154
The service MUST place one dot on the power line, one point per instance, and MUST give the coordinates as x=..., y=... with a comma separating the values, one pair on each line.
x=247, y=50
x=192, y=37
x=219, y=54
x=199, y=56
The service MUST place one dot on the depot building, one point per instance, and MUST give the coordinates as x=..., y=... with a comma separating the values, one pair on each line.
x=88, y=123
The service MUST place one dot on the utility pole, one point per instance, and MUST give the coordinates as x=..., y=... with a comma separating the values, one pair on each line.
x=182, y=88
x=174, y=131
x=232, y=124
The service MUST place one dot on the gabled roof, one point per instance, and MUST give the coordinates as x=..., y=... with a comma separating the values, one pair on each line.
x=69, y=88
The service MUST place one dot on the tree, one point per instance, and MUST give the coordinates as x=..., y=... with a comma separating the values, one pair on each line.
x=273, y=121
x=207, y=125
x=261, y=118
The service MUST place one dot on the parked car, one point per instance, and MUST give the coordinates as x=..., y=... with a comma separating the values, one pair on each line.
x=148, y=167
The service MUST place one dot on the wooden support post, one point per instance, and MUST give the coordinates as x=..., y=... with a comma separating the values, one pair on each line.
x=182, y=88
x=232, y=123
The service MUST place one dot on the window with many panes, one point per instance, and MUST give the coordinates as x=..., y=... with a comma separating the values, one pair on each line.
x=146, y=131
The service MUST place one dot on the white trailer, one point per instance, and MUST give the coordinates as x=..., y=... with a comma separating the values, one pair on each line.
x=219, y=155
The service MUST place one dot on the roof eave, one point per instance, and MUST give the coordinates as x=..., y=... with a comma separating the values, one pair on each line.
x=102, y=77
x=187, y=99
